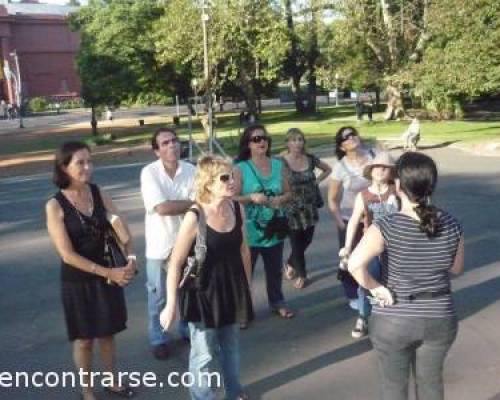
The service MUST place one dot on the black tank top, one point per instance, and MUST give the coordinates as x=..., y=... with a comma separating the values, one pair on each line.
x=86, y=234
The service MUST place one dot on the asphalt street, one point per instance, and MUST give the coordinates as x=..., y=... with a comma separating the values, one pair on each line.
x=310, y=357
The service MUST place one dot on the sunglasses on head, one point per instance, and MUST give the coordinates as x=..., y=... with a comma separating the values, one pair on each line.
x=224, y=178
x=348, y=135
x=259, y=138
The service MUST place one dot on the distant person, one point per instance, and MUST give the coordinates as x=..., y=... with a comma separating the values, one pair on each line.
x=10, y=111
x=412, y=135
x=359, y=109
x=221, y=103
x=109, y=114
x=369, y=108
x=3, y=109
x=414, y=323
x=302, y=209
x=167, y=192
x=58, y=107
x=92, y=291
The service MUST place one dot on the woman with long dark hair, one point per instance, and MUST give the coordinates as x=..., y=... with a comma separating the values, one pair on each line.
x=92, y=292
x=302, y=209
x=346, y=182
x=263, y=189
x=415, y=322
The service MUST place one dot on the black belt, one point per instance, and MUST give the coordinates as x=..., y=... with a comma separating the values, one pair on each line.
x=424, y=295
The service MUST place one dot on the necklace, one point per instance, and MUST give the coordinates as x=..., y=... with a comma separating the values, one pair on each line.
x=85, y=207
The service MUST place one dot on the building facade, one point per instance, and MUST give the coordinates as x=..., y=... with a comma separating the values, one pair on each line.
x=39, y=35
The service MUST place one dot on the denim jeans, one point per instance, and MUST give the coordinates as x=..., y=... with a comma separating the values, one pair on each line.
x=364, y=306
x=273, y=267
x=405, y=343
x=348, y=282
x=300, y=239
x=211, y=346
x=157, y=295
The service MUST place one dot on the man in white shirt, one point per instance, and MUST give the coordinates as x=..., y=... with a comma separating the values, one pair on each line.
x=167, y=191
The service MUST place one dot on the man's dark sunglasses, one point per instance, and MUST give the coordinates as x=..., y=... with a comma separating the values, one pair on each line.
x=259, y=138
x=225, y=178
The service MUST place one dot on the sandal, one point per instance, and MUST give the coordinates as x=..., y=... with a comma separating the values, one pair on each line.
x=283, y=312
x=289, y=272
x=300, y=283
x=125, y=392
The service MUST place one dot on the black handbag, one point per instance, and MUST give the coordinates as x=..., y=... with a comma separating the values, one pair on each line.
x=320, y=203
x=113, y=252
x=192, y=273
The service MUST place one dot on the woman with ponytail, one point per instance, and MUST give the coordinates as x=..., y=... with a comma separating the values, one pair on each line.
x=414, y=321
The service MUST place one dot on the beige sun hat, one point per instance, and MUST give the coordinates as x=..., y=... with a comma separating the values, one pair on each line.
x=382, y=159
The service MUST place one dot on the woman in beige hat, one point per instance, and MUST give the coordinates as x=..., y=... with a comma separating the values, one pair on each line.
x=378, y=200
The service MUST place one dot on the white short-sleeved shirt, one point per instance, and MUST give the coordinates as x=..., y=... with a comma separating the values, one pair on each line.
x=352, y=181
x=157, y=187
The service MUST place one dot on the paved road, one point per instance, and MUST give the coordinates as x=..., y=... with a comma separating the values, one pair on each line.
x=312, y=356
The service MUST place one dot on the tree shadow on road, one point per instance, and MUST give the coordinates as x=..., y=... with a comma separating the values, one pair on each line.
x=430, y=146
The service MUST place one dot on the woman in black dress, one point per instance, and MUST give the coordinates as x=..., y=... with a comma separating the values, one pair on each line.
x=222, y=299
x=92, y=294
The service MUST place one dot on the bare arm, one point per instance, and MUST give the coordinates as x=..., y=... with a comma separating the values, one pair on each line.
x=334, y=196
x=370, y=246
x=183, y=243
x=354, y=221
x=245, y=250
x=285, y=197
x=458, y=264
x=173, y=207
x=257, y=198
x=62, y=243
x=326, y=170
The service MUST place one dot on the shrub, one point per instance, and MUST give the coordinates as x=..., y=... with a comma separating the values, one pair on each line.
x=38, y=104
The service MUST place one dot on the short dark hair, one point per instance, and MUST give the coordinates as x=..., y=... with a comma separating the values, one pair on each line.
x=339, y=138
x=154, y=142
x=418, y=177
x=244, y=150
x=62, y=159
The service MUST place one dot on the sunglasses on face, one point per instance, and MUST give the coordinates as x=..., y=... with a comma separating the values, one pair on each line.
x=225, y=178
x=259, y=138
x=166, y=142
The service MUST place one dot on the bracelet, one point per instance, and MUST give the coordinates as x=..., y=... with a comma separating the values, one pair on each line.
x=93, y=268
x=132, y=257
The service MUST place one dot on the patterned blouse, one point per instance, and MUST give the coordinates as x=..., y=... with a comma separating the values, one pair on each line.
x=302, y=210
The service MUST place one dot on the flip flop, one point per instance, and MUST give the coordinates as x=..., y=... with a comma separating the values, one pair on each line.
x=289, y=272
x=283, y=312
x=125, y=392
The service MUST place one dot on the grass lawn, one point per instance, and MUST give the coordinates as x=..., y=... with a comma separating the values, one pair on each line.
x=319, y=129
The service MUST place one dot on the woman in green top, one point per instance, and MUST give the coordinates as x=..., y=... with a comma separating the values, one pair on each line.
x=263, y=191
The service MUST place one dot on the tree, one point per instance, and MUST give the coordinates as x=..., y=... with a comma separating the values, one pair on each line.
x=116, y=60
x=247, y=43
x=395, y=32
x=462, y=59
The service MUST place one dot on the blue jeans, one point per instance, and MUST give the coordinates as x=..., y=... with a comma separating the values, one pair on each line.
x=403, y=344
x=364, y=306
x=210, y=346
x=273, y=267
x=157, y=295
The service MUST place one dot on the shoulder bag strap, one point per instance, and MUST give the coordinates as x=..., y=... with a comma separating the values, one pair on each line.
x=255, y=174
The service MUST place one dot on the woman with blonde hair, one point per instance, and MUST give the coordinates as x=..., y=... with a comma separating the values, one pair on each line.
x=302, y=209
x=214, y=307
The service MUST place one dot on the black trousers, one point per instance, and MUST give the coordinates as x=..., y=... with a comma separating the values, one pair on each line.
x=299, y=242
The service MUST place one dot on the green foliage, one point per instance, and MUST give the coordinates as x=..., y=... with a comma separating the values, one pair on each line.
x=463, y=59
x=38, y=104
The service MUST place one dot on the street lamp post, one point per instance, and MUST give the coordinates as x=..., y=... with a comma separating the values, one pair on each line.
x=337, y=89
x=204, y=19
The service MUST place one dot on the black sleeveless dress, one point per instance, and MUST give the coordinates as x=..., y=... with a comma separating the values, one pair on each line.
x=225, y=299
x=92, y=308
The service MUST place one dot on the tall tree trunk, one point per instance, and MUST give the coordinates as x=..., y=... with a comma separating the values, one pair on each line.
x=294, y=70
x=248, y=89
x=93, y=120
x=312, y=57
x=395, y=107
